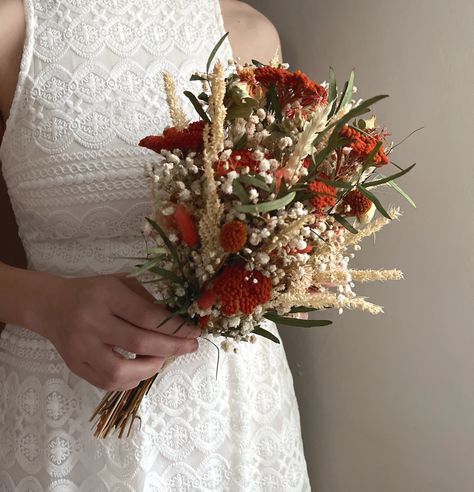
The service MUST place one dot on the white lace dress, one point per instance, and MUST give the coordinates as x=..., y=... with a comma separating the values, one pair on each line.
x=90, y=87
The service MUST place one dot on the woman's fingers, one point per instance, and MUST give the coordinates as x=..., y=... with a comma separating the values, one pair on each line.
x=146, y=342
x=116, y=373
x=125, y=303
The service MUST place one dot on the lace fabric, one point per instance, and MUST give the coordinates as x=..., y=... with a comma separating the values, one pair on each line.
x=89, y=88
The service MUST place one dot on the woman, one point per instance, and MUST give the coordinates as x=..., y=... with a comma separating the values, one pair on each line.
x=89, y=87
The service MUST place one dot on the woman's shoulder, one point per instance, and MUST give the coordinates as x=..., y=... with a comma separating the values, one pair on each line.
x=252, y=34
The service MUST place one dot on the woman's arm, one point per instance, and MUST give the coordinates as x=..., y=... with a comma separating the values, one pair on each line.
x=252, y=35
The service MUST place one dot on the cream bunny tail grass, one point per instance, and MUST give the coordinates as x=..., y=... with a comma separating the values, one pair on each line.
x=375, y=275
x=327, y=301
x=178, y=117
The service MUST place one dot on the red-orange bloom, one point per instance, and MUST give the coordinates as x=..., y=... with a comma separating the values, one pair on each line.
x=186, y=226
x=237, y=160
x=362, y=145
x=291, y=86
x=240, y=290
x=325, y=195
x=207, y=299
x=189, y=139
x=358, y=202
x=233, y=236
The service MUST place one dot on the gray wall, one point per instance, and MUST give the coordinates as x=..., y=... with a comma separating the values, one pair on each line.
x=387, y=403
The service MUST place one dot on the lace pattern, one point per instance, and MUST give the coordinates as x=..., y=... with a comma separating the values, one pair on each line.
x=89, y=88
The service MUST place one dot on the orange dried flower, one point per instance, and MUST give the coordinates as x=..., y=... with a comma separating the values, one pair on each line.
x=362, y=145
x=240, y=290
x=358, y=202
x=233, y=236
x=291, y=86
x=191, y=138
x=207, y=299
x=326, y=195
x=237, y=160
x=186, y=226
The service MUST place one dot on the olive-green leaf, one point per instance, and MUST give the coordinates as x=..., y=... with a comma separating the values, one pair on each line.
x=375, y=201
x=305, y=323
x=388, y=178
x=266, y=334
x=348, y=91
x=256, y=181
x=404, y=194
x=267, y=206
x=239, y=191
x=164, y=237
x=344, y=222
x=197, y=106
x=214, y=51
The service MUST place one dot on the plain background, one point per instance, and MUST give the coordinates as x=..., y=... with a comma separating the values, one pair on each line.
x=387, y=402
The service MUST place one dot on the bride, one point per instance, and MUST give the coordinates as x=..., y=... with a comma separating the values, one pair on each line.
x=80, y=85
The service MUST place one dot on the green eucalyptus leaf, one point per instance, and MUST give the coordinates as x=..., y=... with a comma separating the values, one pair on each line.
x=257, y=181
x=267, y=206
x=388, y=178
x=164, y=237
x=146, y=267
x=305, y=323
x=302, y=309
x=214, y=51
x=242, y=143
x=375, y=201
x=204, y=97
x=348, y=91
x=168, y=275
x=404, y=194
x=273, y=103
x=239, y=191
x=332, y=90
x=266, y=334
x=258, y=64
x=195, y=76
x=197, y=106
x=344, y=222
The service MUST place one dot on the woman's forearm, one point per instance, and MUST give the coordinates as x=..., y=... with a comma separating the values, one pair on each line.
x=21, y=294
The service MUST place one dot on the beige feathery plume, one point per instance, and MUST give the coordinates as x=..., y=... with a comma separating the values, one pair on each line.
x=276, y=60
x=339, y=277
x=209, y=224
x=177, y=114
x=375, y=275
x=217, y=108
x=328, y=301
x=283, y=237
x=374, y=226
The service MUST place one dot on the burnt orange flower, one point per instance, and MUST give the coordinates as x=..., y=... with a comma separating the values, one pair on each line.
x=291, y=86
x=186, y=226
x=188, y=139
x=237, y=160
x=241, y=291
x=362, y=145
x=325, y=195
x=207, y=299
x=233, y=236
x=358, y=202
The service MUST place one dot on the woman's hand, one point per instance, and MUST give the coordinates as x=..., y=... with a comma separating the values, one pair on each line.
x=86, y=317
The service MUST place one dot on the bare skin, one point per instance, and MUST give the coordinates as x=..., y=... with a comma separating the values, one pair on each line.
x=86, y=317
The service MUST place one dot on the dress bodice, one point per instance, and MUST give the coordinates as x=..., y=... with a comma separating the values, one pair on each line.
x=90, y=87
